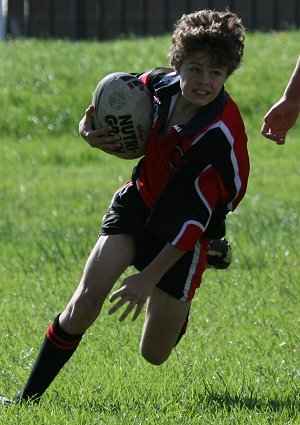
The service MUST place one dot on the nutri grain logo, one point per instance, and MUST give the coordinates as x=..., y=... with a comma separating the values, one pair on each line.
x=124, y=127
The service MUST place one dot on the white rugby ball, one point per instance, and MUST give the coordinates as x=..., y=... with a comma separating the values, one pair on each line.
x=124, y=103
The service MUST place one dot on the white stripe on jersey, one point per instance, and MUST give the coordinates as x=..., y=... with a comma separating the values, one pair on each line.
x=200, y=194
x=183, y=229
x=237, y=180
x=192, y=271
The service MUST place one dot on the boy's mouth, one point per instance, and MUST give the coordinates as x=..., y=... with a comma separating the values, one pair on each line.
x=201, y=93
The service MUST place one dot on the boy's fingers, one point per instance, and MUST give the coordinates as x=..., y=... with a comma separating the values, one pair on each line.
x=89, y=110
x=127, y=311
x=137, y=312
x=116, y=294
x=119, y=304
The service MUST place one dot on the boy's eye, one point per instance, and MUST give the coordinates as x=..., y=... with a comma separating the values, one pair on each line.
x=195, y=69
x=216, y=73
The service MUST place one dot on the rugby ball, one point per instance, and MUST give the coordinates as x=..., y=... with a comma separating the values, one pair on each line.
x=123, y=102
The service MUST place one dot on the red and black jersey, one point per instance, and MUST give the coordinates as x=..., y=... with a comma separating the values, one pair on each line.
x=193, y=176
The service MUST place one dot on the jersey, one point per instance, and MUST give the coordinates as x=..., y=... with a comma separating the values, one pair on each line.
x=193, y=176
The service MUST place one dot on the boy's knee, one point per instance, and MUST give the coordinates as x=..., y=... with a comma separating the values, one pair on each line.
x=155, y=357
x=82, y=312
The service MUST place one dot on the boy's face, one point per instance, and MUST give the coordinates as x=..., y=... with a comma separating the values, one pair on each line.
x=200, y=81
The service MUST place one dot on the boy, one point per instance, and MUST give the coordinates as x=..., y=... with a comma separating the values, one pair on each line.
x=194, y=172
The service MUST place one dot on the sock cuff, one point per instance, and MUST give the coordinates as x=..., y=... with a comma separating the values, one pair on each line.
x=60, y=338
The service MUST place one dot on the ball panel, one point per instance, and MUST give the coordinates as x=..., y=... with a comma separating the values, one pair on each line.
x=124, y=103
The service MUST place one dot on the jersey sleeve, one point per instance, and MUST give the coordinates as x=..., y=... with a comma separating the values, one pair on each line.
x=152, y=77
x=209, y=191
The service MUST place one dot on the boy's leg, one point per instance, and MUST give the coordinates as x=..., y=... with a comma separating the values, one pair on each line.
x=109, y=258
x=165, y=317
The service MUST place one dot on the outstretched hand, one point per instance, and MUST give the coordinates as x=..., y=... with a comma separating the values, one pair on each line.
x=134, y=291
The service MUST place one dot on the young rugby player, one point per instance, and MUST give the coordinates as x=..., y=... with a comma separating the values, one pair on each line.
x=194, y=172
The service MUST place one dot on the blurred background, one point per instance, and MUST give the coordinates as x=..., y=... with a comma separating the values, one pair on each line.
x=109, y=19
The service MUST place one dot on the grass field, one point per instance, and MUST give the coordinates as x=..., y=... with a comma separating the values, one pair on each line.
x=239, y=362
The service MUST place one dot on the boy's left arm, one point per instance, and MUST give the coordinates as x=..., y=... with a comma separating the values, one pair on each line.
x=209, y=194
x=135, y=289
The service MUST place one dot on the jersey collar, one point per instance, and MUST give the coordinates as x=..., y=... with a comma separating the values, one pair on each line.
x=170, y=86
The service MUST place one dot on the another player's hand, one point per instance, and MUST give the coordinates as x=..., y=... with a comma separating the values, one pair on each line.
x=102, y=138
x=280, y=118
x=133, y=292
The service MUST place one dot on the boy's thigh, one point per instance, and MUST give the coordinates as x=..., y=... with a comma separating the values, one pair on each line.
x=165, y=316
x=109, y=258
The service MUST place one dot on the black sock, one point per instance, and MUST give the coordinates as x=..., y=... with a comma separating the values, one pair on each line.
x=55, y=351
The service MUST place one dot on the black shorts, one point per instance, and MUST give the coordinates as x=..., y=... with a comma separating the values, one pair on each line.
x=128, y=215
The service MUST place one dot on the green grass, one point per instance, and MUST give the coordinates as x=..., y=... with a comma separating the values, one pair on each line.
x=239, y=362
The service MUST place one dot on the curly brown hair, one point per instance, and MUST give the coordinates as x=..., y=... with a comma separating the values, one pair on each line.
x=220, y=35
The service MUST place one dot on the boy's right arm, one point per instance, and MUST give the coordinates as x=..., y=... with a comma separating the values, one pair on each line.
x=102, y=138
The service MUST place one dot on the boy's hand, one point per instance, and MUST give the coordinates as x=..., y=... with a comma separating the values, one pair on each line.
x=102, y=138
x=134, y=291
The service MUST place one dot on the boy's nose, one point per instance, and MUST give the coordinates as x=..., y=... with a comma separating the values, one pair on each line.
x=204, y=78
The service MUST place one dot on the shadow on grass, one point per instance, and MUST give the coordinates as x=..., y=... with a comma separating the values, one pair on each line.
x=229, y=402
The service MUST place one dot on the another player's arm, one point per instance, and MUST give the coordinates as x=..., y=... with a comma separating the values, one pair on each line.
x=292, y=91
x=284, y=113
